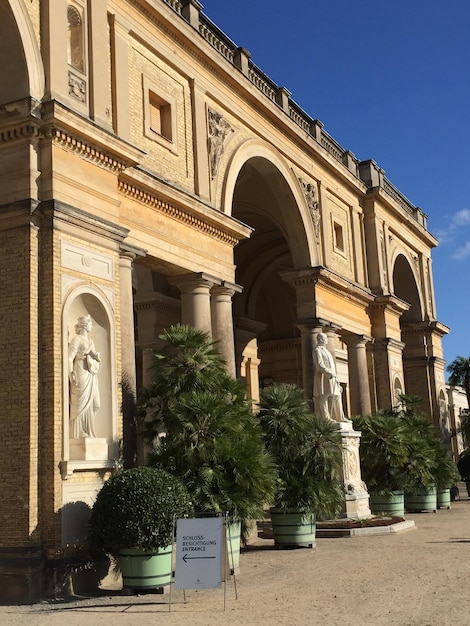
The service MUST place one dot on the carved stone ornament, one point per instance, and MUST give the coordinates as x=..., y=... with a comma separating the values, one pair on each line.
x=219, y=129
x=77, y=88
x=310, y=193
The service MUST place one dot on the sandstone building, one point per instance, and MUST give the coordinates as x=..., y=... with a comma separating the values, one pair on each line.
x=151, y=173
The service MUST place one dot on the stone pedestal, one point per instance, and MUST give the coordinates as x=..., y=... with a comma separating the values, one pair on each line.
x=89, y=449
x=356, y=495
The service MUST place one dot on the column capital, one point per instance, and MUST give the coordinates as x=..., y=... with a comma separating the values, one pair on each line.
x=127, y=251
x=188, y=282
x=353, y=340
x=317, y=323
x=226, y=289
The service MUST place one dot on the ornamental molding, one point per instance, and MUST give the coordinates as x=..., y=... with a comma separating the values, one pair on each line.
x=86, y=149
x=175, y=212
x=20, y=131
x=311, y=197
x=218, y=131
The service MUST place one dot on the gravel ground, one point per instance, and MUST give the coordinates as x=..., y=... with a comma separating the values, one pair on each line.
x=415, y=578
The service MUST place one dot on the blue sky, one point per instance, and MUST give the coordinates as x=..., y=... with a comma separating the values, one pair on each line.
x=391, y=82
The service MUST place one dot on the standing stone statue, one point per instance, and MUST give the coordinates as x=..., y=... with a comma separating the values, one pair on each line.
x=83, y=376
x=326, y=388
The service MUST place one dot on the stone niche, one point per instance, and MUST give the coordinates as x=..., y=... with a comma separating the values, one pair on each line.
x=90, y=381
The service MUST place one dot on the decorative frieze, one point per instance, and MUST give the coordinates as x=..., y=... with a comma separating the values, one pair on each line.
x=86, y=261
x=86, y=149
x=176, y=212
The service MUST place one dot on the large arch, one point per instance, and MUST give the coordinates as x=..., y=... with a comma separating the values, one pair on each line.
x=20, y=53
x=405, y=287
x=262, y=192
x=294, y=220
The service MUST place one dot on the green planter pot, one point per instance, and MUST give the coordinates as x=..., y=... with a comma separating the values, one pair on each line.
x=443, y=498
x=233, y=534
x=146, y=570
x=392, y=505
x=421, y=500
x=293, y=528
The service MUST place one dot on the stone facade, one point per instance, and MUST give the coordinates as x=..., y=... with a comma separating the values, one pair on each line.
x=151, y=174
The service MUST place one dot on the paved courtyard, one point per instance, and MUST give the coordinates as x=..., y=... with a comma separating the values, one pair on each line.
x=416, y=578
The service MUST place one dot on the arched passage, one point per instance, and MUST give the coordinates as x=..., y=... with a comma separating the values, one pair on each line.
x=20, y=53
x=268, y=200
x=413, y=333
x=405, y=287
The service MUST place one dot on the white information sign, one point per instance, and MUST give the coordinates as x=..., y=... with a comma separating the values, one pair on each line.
x=199, y=553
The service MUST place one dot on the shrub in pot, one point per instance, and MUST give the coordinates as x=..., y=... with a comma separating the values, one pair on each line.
x=384, y=455
x=307, y=451
x=212, y=441
x=446, y=474
x=423, y=469
x=133, y=520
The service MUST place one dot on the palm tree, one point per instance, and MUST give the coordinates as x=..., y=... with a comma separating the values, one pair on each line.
x=459, y=371
x=212, y=441
x=307, y=451
x=188, y=362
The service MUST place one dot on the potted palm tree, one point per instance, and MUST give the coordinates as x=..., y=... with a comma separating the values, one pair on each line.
x=212, y=441
x=132, y=519
x=445, y=473
x=307, y=451
x=420, y=489
x=384, y=454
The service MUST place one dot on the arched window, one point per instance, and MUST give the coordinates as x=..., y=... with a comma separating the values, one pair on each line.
x=76, y=38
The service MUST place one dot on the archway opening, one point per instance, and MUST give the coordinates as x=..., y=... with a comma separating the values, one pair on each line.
x=267, y=338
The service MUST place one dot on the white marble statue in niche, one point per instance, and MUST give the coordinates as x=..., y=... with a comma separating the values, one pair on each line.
x=326, y=389
x=83, y=367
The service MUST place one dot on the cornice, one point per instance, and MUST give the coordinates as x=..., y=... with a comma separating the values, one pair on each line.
x=389, y=302
x=328, y=279
x=58, y=211
x=82, y=135
x=27, y=119
x=426, y=327
x=177, y=204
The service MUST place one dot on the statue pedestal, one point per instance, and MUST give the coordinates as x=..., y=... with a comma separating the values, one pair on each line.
x=356, y=495
x=89, y=449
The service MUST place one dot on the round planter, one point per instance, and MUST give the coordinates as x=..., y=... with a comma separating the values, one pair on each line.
x=293, y=528
x=421, y=500
x=443, y=498
x=233, y=535
x=146, y=570
x=392, y=505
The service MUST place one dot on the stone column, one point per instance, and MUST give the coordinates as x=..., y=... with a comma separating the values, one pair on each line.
x=247, y=331
x=222, y=323
x=196, y=300
x=358, y=373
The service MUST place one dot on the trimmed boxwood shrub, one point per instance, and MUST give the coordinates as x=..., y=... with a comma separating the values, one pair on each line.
x=136, y=508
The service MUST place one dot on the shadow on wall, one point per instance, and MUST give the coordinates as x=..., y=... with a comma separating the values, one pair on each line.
x=74, y=570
